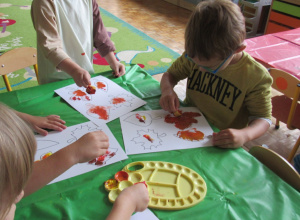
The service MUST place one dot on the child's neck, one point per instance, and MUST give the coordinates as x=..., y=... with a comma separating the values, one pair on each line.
x=237, y=57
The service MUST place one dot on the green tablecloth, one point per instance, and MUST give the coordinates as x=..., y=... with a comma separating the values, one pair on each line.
x=238, y=186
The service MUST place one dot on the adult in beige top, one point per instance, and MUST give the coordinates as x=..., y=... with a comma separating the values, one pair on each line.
x=67, y=30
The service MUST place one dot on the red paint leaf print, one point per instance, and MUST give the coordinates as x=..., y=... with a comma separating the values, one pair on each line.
x=183, y=121
x=101, y=111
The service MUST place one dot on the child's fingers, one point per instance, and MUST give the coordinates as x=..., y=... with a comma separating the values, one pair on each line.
x=55, y=126
x=86, y=80
x=56, y=118
x=40, y=131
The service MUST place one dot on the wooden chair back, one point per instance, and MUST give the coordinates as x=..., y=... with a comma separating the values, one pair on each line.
x=16, y=59
x=277, y=164
x=286, y=107
x=284, y=82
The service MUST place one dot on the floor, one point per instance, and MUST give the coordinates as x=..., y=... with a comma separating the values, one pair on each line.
x=165, y=23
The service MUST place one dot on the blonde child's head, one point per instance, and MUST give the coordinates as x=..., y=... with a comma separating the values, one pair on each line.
x=216, y=28
x=17, y=149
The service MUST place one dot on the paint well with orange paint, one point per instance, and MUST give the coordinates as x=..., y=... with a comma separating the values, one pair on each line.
x=183, y=121
x=118, y=100
x=191, y=135
x=101, y=111
x=111, y=184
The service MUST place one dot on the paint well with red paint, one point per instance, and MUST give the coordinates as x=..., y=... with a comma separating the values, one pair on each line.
x=101, y=111
x=191, y=135
x=121, y=176
x=183, y=121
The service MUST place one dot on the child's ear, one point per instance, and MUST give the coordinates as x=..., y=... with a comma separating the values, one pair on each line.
x=241, y=48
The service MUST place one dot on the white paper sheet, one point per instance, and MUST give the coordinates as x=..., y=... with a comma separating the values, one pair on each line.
x=108, y=103
x=55, y=141
x=147, y=131
x=145, y=215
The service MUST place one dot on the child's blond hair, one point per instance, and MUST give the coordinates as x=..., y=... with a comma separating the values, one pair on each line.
x=216, y=28
x=17, y=149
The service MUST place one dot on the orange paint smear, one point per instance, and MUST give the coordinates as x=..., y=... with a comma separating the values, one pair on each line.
x=118, y=100
x=157, y=194
x=99, y=110
x=79, y=93
x=100, y=85
x=148, y=138
x=191, y=135
x=183, y=121
x=46, y=155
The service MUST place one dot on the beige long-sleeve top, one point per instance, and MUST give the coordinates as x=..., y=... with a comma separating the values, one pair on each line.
x=49, y=42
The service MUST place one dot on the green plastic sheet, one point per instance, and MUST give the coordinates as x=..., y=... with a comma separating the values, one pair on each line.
x=238, y=186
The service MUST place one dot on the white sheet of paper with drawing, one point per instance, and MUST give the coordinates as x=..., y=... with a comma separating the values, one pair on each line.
x=54, y=141
x=147, y=131
x=108, y=103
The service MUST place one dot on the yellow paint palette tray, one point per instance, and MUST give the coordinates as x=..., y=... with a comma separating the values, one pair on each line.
x=171, y=186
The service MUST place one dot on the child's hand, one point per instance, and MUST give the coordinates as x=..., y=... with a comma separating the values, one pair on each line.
x=81, y=77
x=88, y=147
x=137, y=195
x=37, y=123
x=229, y=138
x=118, y=69
x=52, y=122
x=169, y=101
x=132, y=199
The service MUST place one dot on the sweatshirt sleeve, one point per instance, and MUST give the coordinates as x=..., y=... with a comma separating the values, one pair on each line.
x=181, y=68
x=48, y=39
x=102, y=41
x=259, y=100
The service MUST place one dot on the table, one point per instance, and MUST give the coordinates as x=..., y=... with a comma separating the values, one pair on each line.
x=239, y=187
x=278, y=50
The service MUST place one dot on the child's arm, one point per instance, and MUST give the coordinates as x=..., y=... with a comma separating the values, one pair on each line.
x=86, y=148
x=116, y=66
x=169, y=100
x=37, y=123
x=234, y=138
x=80, y=75
x=103, y=44
x=132, y=199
